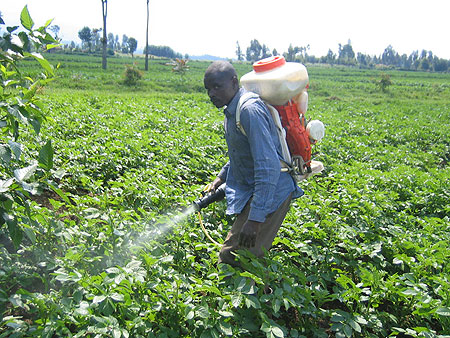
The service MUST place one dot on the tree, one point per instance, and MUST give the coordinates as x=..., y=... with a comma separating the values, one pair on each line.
x=265, y=52
x=124, y=44
x=104, y=39
x=346, y=54
x=331, y=57
x=132, y=45
x=85, y=36
x=239, y=53
x=55, y=29
x=254, y=52
x=290, y=55
x=146, y=41
x=116, y=44
x=274, y=52
x=111, y=41
x=362, y=59
x=390, y=56
x=96, y=39
x=163, y=51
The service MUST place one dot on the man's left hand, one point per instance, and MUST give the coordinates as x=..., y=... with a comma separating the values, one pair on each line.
x=247, y=236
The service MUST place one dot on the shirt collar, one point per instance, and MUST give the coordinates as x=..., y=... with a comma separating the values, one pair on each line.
x=230, y=110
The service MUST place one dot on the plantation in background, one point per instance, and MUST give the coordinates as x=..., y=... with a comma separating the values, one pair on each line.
x=365, y=253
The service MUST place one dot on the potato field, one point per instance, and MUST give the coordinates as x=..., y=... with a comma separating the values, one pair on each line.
x=96, y=245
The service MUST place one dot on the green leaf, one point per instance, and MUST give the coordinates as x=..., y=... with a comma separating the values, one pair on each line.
x=348, y=330
x=277, y=332
x=252, y=301
x=16, y=148
x=117, y=333
x=443, y=311
x=51, y=46
x=46, y=156
x=25, y=19
x=4, y=185
x=60, y=193
x=202, y=312
x=225, y=327
x=190, y=315
x=410, y=292
x=117, y=297
x=226, y=314
x=355, y=326
x=236, y=300
x=5, y=153
x=43, y=62
x=98, y=299
x=30, y=234
x=15, y=232
x=25, y=173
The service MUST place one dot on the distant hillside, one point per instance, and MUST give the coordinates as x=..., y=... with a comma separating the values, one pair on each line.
x=206, y=57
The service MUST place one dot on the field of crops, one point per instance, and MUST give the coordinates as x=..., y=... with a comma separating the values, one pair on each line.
x=364, y=253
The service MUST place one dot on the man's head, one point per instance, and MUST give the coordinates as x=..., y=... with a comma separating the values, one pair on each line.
x=221, y=82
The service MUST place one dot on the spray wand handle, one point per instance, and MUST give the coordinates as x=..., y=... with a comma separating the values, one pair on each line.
x=217, y=195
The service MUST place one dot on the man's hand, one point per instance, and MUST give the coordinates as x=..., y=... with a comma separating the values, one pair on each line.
x=211, y=187
x=247, y=237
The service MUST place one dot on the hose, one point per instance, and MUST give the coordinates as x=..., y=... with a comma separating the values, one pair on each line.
x=205, y=231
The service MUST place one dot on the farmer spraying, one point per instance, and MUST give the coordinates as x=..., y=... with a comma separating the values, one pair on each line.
x=258, y=191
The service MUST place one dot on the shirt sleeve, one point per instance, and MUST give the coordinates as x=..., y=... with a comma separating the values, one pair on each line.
x=259, y=127
x=224, y=172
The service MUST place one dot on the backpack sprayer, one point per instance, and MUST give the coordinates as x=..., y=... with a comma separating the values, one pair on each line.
x=283, y=87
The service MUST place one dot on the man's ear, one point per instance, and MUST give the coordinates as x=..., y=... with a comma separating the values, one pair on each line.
x=235, y=81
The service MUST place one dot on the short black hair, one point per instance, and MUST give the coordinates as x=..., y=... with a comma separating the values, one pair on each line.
x=221, y=67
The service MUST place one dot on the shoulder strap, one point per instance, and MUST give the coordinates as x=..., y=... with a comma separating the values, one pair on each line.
x=244, y=98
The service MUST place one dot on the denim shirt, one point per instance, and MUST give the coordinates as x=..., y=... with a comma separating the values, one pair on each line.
x=254, y=168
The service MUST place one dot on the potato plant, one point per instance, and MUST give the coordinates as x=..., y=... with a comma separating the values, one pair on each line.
x=363, y=254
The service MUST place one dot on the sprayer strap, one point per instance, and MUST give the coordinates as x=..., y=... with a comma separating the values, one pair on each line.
x=244, y=98
x=276, y=119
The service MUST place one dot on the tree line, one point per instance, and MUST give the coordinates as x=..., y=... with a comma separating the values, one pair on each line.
x=425, y=60
x=91, y=43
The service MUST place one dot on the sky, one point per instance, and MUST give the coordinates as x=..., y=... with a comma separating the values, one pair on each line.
x=213, y=27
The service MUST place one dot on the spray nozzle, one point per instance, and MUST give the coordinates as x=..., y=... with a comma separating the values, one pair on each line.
x=208, y=198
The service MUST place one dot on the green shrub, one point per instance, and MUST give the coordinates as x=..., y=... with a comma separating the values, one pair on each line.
x=384, y=82
x=132, y=75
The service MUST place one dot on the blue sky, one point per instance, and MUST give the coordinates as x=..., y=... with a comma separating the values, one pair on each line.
x=213, y=27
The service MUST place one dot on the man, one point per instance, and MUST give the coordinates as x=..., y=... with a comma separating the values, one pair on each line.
x=256, y=188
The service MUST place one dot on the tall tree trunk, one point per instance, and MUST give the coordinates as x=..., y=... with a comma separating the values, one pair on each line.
x=104, y=40
x=146, y=42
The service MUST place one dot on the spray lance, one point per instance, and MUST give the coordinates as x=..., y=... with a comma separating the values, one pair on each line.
x=206, y=199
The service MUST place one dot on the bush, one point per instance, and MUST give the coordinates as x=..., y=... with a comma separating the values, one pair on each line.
x=384, y=82
x=132, y=75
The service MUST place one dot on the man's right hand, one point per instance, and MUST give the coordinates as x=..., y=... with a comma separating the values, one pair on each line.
x=211, y=187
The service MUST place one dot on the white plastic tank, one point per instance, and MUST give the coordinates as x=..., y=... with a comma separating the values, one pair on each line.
x=275, y=80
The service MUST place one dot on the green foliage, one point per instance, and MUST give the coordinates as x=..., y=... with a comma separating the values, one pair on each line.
x=132, y=45
x=363, y=254
x=21, y=174
x=384, y=82
x=132, y=75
